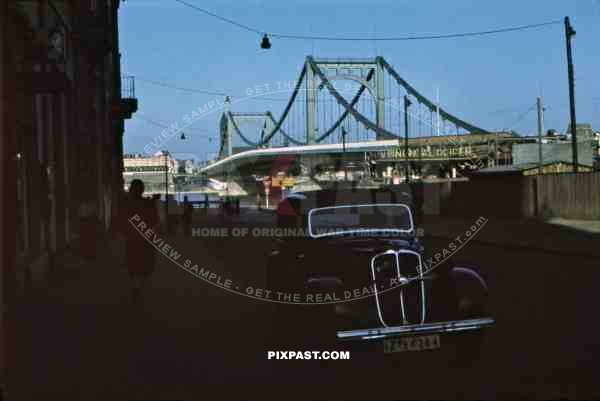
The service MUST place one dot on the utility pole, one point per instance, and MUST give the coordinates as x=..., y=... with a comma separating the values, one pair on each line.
x=344, y=153
x=229, y=147
x=407, y=104
x=166, y=186
x=437, y=110
x=540, y=113
x=496, y=150
x=569, y=33
x=229, y=133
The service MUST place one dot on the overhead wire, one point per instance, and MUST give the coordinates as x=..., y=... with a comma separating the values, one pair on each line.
x=165, y=126
x=204, y=91
x=521, y=117
x=330, y=38
x=367, y=38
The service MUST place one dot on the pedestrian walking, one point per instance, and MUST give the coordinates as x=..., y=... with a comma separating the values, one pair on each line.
x=160, y=207
x=141, y=256
x=188, y=210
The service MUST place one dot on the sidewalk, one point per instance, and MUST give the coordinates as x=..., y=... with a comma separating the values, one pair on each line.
x=245, y=217
x=590, y=226
x=526, y=234
x=67, y=322
x=80, y=337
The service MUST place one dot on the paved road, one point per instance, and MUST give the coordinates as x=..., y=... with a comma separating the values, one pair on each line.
x=83, y=339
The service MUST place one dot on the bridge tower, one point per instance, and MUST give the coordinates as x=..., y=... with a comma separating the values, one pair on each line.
x=311, y=104
x=380, y=92
x=331, y=70
x=230, y=123
x=226, y=135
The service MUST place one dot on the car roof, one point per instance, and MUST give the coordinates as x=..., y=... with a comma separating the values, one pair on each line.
x=333, y=197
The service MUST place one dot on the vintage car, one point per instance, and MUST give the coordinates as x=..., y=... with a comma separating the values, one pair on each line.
x=356, y=276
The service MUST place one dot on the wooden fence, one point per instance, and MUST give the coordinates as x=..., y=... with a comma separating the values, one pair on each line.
x=573, y=196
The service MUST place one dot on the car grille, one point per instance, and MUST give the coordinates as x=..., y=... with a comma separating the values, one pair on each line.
x=398, y=301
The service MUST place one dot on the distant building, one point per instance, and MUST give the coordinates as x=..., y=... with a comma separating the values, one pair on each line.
x=151, y=170
x=557, y=156
x=185, y=166
x=557, y=152
x=584, y=132
x=530, y=169
x=136, y=163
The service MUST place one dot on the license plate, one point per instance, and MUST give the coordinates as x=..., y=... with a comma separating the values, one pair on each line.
x=415, y=343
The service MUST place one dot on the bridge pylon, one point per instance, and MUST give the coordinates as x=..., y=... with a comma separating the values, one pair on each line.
x=311, y=103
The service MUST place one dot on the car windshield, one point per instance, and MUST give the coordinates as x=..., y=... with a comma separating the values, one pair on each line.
x=367, y=219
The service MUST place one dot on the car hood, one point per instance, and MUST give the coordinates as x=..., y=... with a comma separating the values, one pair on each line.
x=349, y=260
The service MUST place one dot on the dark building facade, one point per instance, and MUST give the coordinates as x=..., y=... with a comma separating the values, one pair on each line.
x=62, y=122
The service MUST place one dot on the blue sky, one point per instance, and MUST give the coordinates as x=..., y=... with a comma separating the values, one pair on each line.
x=489, y=81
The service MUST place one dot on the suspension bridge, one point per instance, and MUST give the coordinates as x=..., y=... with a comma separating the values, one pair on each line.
x=353, y=107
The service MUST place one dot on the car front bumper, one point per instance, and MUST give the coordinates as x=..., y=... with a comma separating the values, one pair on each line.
x=414, y=329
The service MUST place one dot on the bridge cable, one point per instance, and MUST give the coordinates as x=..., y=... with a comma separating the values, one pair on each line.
x=346, y=112
x=279, y=123
x=265, y=138
x=430, y=105
x=287, y=110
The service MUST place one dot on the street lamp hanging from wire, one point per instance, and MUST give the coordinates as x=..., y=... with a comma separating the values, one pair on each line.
x=265, y=44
